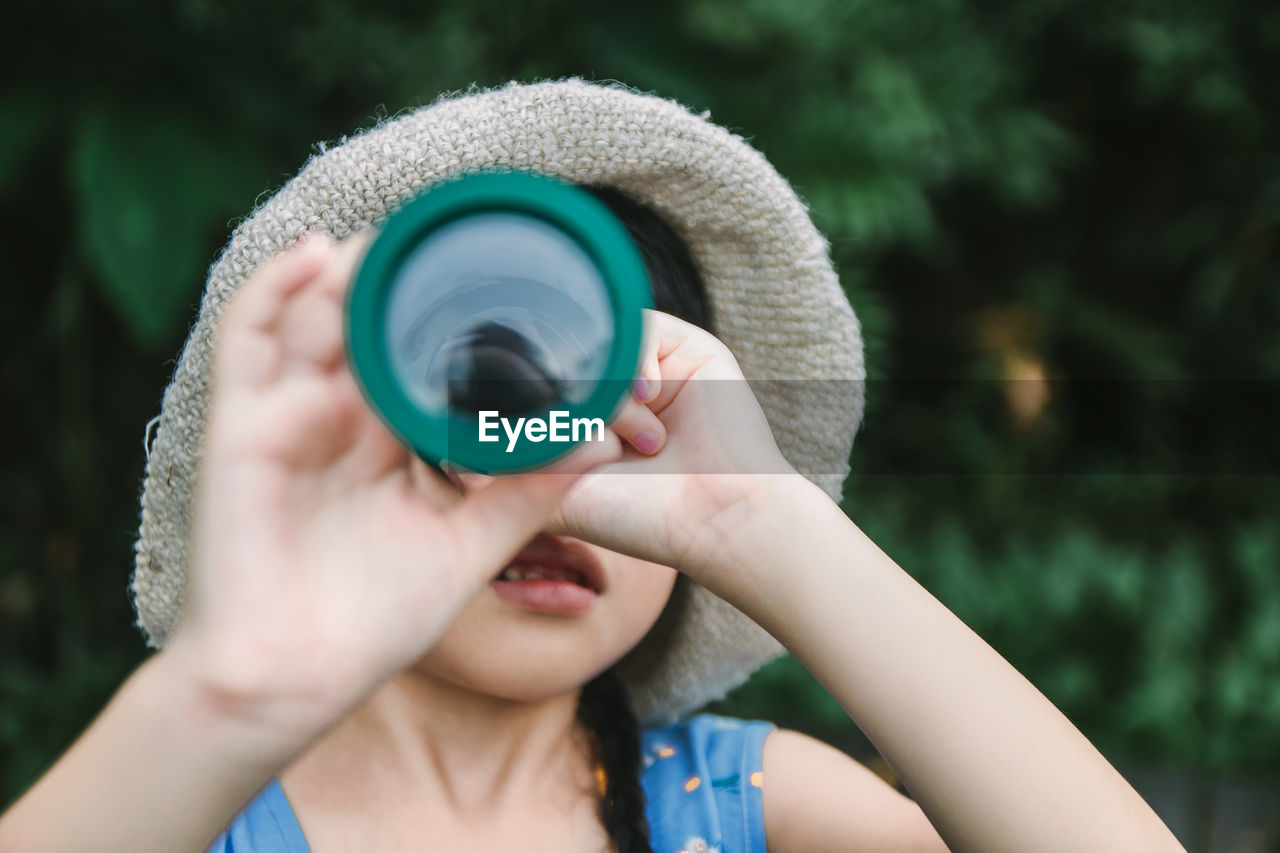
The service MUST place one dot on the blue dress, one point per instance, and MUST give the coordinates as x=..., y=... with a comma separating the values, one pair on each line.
x=702, y=778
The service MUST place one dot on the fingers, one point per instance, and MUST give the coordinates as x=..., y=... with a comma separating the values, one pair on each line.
x=260, y=301
x=648, y=381
x=310, y=336
x=673, y=350
x=245, y=347
x=669, y=332
x=311, y=326
x=686, y=351
x=288, y=315
x=637, y=425
x=494, y=522
x=340, y=272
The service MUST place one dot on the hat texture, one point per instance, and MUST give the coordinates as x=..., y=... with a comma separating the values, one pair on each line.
x=774, y=293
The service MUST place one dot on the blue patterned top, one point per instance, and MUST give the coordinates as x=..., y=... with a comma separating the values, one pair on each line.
x=702, y=778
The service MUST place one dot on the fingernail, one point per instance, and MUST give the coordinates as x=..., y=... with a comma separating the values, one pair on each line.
x=641, y=388
x=645, y=441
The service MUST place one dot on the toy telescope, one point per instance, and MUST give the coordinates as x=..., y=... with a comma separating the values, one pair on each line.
x=496, y=321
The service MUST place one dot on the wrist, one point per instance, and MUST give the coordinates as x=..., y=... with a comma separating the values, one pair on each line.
x=159, y=769
x=239, y=698
x=759, y=545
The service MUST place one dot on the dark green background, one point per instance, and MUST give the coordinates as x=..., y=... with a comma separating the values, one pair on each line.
x=1086, y=191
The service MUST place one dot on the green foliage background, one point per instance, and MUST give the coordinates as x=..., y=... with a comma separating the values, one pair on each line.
x=1091, y=189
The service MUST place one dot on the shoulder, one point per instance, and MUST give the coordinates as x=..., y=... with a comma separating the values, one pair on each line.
x=817, y=798
x=721, y=783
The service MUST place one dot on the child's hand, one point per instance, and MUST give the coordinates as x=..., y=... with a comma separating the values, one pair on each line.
x=701, y=453
x=325, y=557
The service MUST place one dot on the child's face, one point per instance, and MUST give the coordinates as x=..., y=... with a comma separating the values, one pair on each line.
x=505, y=645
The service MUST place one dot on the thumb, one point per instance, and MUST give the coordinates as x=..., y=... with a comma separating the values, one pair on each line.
x=492, y=524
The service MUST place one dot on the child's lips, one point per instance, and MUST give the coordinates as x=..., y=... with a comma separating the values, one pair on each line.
x=560, y=597
x=556, y=558
x=554, y=574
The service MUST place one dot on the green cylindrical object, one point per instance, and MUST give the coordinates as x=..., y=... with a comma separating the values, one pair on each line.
x=490, y=304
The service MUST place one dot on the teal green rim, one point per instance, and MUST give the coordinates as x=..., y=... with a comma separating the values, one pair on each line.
x=576, y=212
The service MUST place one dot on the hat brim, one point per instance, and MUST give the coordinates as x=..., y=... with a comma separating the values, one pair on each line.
x=774, y=292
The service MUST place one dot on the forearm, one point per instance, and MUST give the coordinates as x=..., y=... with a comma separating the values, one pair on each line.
x=161, y=769
x=991, y=761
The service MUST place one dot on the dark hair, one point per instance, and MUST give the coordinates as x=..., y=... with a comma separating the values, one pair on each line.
x=604, y=707
x=677, y=285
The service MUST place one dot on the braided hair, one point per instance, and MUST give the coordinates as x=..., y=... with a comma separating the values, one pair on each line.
x=604, y=708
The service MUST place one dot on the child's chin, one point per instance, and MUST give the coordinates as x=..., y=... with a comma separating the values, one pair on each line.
x=525, y=675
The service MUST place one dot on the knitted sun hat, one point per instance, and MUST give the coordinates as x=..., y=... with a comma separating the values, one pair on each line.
x=774, y=293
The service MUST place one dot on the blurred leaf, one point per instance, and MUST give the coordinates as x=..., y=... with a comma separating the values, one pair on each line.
x=151, y=191
x=25, y=119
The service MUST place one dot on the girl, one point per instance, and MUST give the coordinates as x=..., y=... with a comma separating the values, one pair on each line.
x=361, y=654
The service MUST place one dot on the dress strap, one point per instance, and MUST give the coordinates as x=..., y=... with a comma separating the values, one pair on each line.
x=704, y=781
x=266, y=825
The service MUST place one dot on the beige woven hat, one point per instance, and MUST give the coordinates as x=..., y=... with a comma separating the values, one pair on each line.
x=778, y=304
